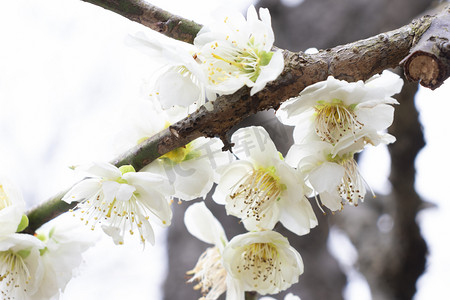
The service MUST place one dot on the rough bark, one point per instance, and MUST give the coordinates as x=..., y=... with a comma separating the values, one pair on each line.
x=429, y=58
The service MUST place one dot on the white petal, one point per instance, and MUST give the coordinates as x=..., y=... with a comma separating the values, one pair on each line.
x=326, y=177
x=146, y=230
x=269, y=72
x=152, y=179
x=110, y=189
x=83, y=190
x=125, y=192
x=376, y=118
x=194, y=179
x=229, y=177
x=177, y=89
x=235, y=290
x=331, y=200
x=102, y=169
x=254, y=144
x=202, y=224
x=157, y=204
x=114, y=232
x=298, y=216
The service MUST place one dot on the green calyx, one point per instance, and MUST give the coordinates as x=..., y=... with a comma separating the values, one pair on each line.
x=126, y=169
x=181, y=154
x=23, y=223
x=24, y=253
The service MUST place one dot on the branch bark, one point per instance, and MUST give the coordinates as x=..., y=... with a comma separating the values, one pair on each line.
x=354, y=61
x=152, y=17
x=429, y=60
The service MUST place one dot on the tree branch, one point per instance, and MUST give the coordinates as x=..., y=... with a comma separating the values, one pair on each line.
x=152, y=17
x=355, y=61
x=429, y=61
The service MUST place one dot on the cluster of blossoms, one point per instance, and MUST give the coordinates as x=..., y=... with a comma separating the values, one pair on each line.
x=40, y=266
x=227, y=55
x=333, y=121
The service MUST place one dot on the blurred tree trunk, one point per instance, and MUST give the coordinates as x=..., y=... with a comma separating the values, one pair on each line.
x=391, y=271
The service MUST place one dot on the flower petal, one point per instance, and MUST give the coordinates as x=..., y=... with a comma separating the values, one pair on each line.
x=255, y=145
x=202, y=224
x=101, y=169
x=124, y=192
x=326, y=177
x=83, y=190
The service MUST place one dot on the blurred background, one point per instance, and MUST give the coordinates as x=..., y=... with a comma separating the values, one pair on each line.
x=66, y=76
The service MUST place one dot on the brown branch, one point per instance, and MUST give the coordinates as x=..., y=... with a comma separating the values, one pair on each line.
x=152, y=17
x=429, y=60
x=355, y=61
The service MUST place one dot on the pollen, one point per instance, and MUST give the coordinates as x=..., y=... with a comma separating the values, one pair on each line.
x=257, y=192
x=210, y=274
x=261, y=263
x=334, y=120
x=14, y=274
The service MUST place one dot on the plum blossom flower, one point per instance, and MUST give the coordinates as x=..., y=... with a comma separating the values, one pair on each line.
x=261, y=188
x=262, y=261
x=12, y=208
x=122, y=200
x=235, y=51
x=335, y=177
x=255, y=261
x=64, y=243
x=21, y=266
x=191, y=168
x=340, y=112
x=209, y=271
x=180, y=82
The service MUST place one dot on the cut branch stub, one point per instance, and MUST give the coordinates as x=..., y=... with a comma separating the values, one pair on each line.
x=429, y=60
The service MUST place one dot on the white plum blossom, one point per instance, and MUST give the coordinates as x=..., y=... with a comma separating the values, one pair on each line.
x=261, y=188
x=122, y=200
x=209, y=271
x=12, y=208
x=180, y=82
x=21, y=266
x=261, y=261
x=191, y=168
x=254, y=261
x=235, y=51
x=64, y=243
x=340, y=112
x=335, y=177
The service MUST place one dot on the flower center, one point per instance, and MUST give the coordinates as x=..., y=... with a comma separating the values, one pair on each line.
x=353, y=186
x=180, y=154
x=4, y=199
x=334, y=120
x=14, y=273
x=230, y=61
x=210, y=274
x=117, y=214
x=257, y=191
x=260, y=263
